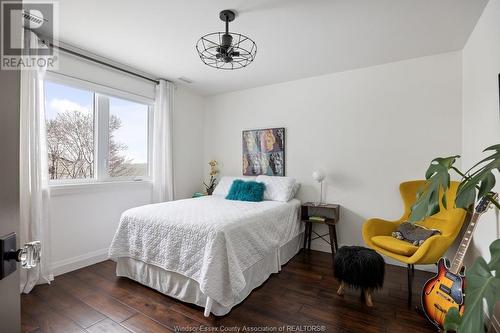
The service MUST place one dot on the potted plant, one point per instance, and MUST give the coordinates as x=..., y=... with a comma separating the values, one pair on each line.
x=476, y=183
x=209, y=188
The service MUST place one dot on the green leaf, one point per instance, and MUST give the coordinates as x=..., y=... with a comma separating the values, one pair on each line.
x=438, y=181
x=444, y=201
x=452, y=320
x=490, y=148
x=494, y=263
x=487, y=184
x=465, y=198
x=481, y=181
x=482, y=178
x=481, y=284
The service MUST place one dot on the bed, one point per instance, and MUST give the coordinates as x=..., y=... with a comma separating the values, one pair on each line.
x=208, y=251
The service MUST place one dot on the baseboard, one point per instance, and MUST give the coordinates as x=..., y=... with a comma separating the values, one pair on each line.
x=71, y=264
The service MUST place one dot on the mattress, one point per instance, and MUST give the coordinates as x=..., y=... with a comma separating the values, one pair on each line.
x=209, y=240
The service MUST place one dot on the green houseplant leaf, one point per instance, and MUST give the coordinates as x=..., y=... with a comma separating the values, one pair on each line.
x=452, y=320
x=438, y=181
x=482, y=179
x=481, y=284
x=494, y=263
x=479, y=179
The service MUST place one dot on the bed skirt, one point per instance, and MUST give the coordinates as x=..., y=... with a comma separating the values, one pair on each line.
x=187, y=290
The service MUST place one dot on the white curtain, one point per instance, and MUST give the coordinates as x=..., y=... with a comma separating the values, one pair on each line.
x=163, y=178
x=34, y=189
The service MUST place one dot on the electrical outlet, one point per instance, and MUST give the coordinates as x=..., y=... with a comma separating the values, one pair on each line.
x=7, y=245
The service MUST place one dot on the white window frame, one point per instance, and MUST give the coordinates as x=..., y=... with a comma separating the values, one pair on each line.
x=101, y=133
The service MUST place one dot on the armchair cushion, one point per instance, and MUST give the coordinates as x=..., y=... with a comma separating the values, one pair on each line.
x=394, y=245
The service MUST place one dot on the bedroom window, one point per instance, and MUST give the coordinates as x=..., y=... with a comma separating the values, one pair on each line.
x=69, y=114
x=128, y=138
x=94, y=136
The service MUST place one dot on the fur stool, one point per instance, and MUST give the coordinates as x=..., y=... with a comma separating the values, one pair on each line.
x=359, y=268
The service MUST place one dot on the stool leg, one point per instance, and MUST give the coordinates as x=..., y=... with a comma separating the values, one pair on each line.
x=368, y=297
x=341, y=289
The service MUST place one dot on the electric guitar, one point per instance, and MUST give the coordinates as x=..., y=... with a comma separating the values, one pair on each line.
x=445, y=290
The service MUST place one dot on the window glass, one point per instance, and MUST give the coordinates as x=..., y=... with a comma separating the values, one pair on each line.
x=95, y=136
x=70, y=132
x=128, y=138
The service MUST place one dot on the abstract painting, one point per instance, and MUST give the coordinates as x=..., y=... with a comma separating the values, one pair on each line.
x=264, y=152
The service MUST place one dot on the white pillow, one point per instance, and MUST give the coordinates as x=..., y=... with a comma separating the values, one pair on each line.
x=222, y=188
x=296, y=189
x=277, y=188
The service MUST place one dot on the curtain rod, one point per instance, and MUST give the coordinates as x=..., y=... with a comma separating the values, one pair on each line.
x=86, y=57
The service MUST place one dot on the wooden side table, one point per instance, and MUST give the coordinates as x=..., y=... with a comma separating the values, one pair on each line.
x=331, y=212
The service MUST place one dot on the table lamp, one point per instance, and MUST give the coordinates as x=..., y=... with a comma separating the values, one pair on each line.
x=319, y=176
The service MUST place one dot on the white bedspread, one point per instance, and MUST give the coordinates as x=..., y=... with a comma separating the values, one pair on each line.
x=209, y=239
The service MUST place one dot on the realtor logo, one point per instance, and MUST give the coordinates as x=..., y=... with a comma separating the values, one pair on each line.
x=29, y=31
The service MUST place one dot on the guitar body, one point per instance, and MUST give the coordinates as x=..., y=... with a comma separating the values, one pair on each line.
x=442, y=292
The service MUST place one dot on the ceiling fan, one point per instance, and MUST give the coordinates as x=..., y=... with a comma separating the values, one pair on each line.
x=226, y=50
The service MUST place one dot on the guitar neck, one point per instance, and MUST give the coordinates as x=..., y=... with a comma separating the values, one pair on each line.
x=458, y=259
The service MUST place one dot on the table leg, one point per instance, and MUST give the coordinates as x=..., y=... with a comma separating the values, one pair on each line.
x=335, y=238
x=331, y=232
x=306, y=235
x=310, y=236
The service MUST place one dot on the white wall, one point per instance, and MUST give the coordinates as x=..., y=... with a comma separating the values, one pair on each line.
x=481, y=114
x=368, y=129
x=83, y=221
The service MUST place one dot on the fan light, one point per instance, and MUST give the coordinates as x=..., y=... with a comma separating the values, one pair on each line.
x=226, y=50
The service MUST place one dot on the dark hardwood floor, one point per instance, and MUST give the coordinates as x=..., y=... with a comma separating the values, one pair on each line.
x=93, y=299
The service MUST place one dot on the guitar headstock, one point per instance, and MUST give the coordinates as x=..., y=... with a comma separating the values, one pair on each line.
x=485, y=203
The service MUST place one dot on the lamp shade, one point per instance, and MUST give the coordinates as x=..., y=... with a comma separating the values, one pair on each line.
x=318, y=175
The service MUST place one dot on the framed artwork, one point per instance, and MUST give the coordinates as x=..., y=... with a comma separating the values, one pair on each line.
x=264, y=152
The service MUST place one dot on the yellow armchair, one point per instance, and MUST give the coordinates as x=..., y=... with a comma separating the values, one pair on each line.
x=377, y=232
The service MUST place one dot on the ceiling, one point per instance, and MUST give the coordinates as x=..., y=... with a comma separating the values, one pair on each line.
x=295, y=38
